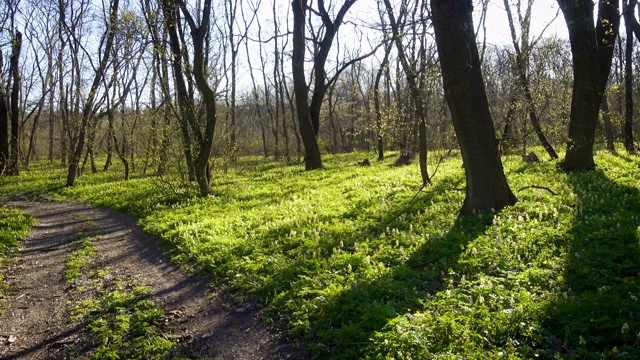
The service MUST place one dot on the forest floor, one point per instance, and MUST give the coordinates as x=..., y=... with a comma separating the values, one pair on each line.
x=199, y=321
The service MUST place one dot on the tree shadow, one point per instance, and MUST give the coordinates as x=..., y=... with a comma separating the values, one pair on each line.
x=597, y=311
x=343, y=325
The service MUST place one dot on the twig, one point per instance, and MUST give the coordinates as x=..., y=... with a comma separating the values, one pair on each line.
x=538, y=187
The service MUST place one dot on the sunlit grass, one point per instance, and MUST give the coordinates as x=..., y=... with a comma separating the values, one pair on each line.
x=360, y=267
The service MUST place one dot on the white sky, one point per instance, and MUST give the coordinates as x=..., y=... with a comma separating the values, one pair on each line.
x=543, y=12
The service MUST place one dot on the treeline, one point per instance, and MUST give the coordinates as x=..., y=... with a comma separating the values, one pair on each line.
x=189, y=86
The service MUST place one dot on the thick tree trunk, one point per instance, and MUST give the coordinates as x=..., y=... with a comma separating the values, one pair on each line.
x=486, y=186
x=592, y=49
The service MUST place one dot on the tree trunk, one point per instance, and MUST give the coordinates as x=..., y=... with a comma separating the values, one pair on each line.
x=4, y=128
x=487, y=186
x=312, y=155
x=416, y=95
x=376, y=101
x=628, y=76
x=187, y=112
x=592, y=49
x=14, y=109
x=198, y=33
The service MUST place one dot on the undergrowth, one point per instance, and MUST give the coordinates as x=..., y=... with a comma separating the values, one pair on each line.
x=361, y=269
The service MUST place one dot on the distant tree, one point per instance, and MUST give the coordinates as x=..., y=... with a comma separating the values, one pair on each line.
x=592, y=49
x=486, y=186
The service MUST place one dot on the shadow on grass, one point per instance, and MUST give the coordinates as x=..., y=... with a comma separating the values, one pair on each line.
x=341, y=326
x=598, y=313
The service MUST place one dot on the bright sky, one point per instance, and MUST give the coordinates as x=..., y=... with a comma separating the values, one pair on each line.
x=543, y=12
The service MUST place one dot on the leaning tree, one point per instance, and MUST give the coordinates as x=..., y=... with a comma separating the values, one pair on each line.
x=487, y=186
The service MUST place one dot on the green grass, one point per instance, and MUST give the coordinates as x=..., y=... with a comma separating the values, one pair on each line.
x=123, y=324
x=79, y=259
x=359, y=270
x=121, y=321
x=14, y=225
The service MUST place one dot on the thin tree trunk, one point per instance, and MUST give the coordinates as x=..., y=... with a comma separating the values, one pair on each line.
x=376, y=100
x=416, y=95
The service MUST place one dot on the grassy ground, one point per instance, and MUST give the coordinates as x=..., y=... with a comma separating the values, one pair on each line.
x=14, y=225
x=360, y=268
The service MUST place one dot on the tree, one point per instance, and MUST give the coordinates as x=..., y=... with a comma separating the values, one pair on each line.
x=631, y=27
x=486, y=186
x=9, y=103
x=592, y=50
x=523, y=48
x=88, y=109
x=413, y=72
x=4, y=127
x=198, y=34
x=308, y=113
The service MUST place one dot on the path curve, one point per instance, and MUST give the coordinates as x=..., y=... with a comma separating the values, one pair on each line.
x=36, y=322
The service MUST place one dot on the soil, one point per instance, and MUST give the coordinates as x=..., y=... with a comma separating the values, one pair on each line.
x=36, y=324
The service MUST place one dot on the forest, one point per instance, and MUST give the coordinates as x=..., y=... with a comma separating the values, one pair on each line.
x=380, y=180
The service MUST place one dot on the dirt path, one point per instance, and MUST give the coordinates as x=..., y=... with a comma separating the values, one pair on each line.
x=36, y=323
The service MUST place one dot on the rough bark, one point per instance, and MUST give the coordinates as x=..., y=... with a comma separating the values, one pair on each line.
x=592, y=49
x=486, y=186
